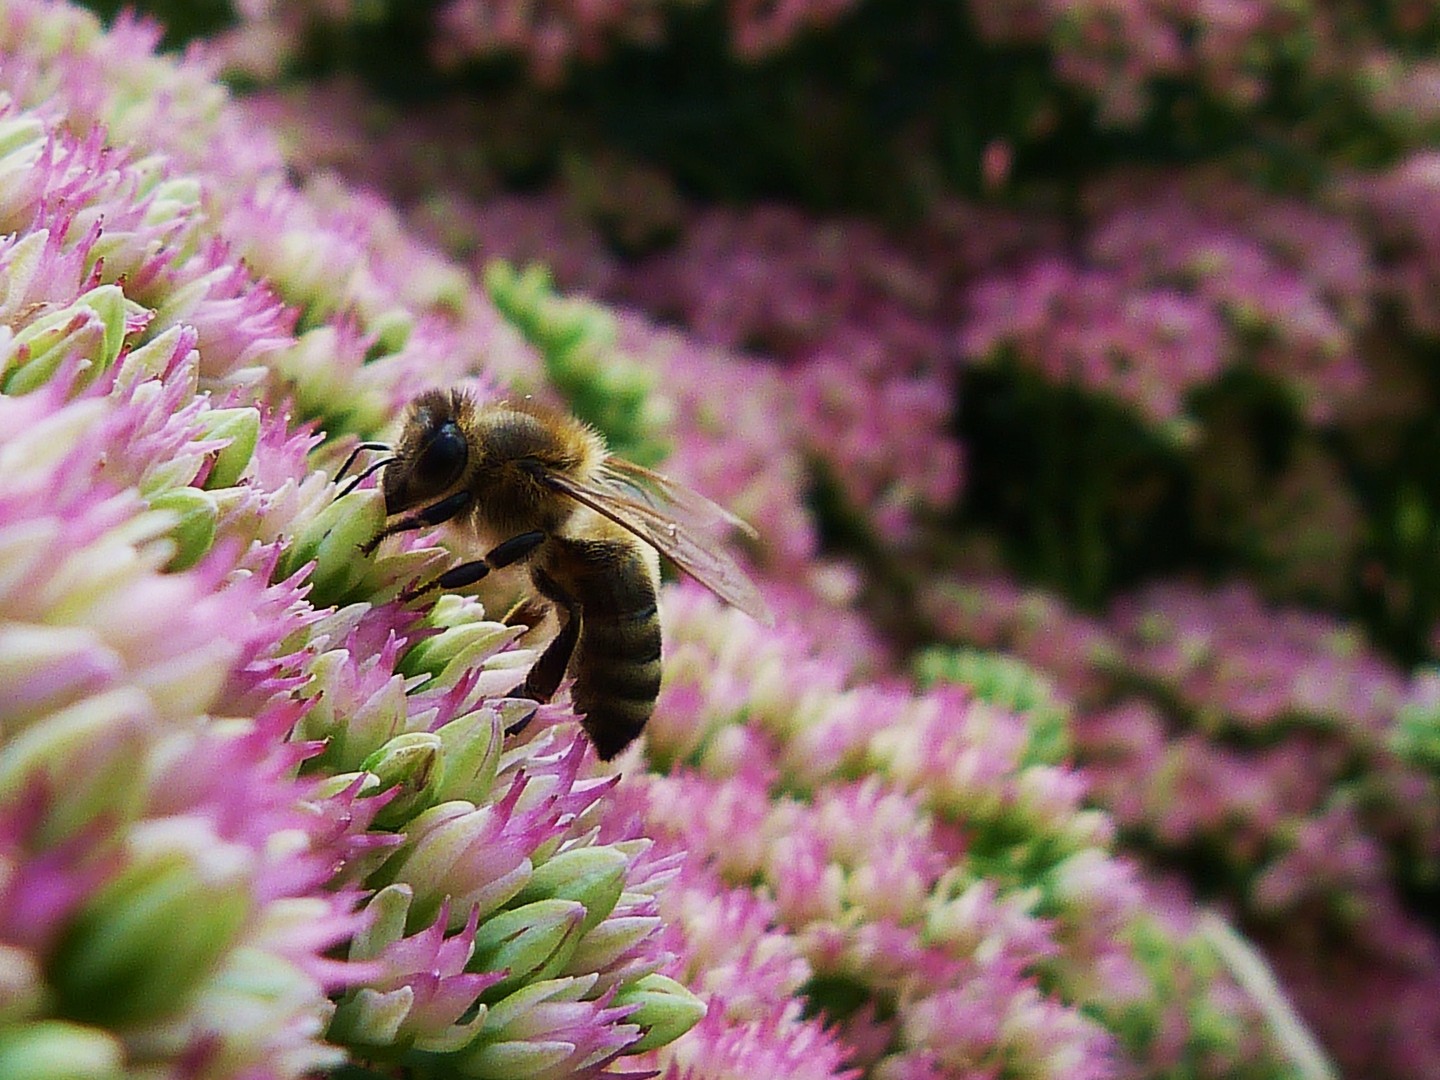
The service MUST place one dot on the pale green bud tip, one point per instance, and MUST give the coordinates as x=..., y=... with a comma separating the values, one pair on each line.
x=392, y=330
x=333, y=539
x=665, y=1010
x=472, y=745
x=458, y=646
x=503, y=1061
x=56, y=1050
x=124, y=963
x=532, y=942
x=592, y=876
x=194, y=528
x=386, y=913
x=242, y=428
x=372, y=1017
x=413, y=762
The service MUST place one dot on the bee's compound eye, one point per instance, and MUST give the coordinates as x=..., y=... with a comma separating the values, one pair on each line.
x=442, y=458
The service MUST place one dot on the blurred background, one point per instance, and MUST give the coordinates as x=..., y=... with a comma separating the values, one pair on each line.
x=1098, y=333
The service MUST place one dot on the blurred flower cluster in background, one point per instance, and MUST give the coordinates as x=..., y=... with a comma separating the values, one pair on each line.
x=1076, y=363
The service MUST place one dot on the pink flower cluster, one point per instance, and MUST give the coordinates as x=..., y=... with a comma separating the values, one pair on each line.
x=229, y=754
x=1399, y=204
x=1180, y=279
x=865, y=395
x=148, y=914
x=931, y=868
x=206, y=692
x=1260, y=740
x=548, y=37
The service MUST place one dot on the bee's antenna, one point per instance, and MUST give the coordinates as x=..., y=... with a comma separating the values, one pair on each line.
x=356, y=453
x=374, y=467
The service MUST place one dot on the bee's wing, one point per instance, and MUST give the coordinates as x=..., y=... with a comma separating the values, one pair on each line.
x=673, y=519
x=667, y=497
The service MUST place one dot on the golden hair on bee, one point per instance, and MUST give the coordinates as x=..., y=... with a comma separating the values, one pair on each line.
x=539, y=488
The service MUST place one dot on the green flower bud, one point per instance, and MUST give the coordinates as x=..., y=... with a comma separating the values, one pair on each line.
x=391, y=330
x=352, y=730
x=56, y=1050
x=532, y=943
x=591, y=876
x=194, y=528
x=506, y=1060
x=23, y=261
x=472, y=745
x=93, y=327
x=665, y=1010
x=457, y=649
x=20, y=138
x=323, y=387
x=149, y=361
x=386, y=913
x=242, y=428
x=173, y=198
x=112, y=786
x=371, y=1017
x=327, y=787
x=147, y=940
x=607, y=942
x=414, y=762
x=513, y=1041
x=445, y=856
x=332, y=539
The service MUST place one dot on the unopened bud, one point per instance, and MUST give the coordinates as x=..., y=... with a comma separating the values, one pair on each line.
x=472, y=755
x=147, y=939
x=414, y=762
x=56, y=1050
x=664, y=1009
x=592, y=876
x=532, y=943
x=332, y=540
x=242, y=428
x=194, y=528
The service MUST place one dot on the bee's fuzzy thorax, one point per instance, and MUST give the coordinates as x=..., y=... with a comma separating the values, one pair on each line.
x=515, y=444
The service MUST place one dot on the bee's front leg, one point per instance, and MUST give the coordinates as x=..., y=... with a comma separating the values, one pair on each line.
x=447, y=509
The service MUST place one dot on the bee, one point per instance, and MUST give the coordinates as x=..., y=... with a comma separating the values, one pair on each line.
x=538, y=487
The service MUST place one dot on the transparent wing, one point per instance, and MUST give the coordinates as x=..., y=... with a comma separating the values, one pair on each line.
x=666, y=496
x=682, y=524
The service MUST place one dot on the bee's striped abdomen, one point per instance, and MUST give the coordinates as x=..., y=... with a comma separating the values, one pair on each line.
x=617, y=658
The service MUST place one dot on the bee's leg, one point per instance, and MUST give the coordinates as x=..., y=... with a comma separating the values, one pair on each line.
x=528, y=611
x=437, y=514
x=500, y=556
x=546, y=673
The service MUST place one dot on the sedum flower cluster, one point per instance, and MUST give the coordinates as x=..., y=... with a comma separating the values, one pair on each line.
x=1097, y=333
x=259, y=817
x=1013, y=329
x=1268, y=749
x=936, y=886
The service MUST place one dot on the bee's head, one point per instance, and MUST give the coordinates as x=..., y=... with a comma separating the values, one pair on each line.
x=432, y=454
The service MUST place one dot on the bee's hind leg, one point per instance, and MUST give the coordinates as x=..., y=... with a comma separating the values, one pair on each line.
x=545, y=674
